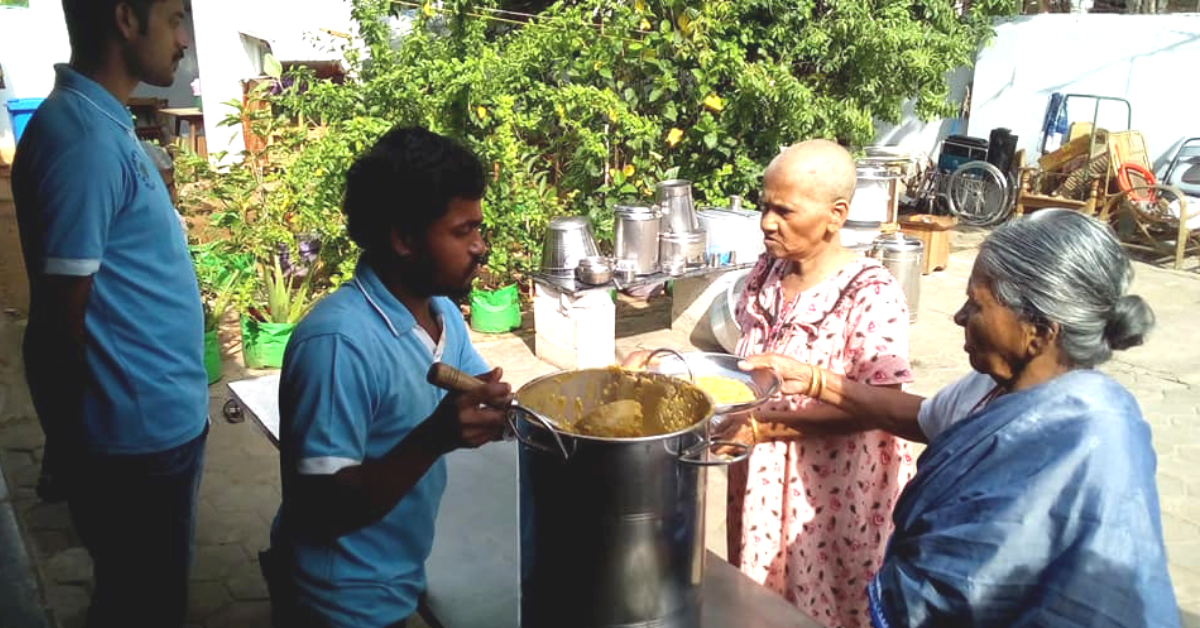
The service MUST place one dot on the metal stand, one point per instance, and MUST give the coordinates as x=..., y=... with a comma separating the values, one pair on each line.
x=1095, y=118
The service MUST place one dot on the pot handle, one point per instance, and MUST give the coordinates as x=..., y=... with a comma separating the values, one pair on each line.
x=512, y=430
x=449, y=378
x=702, y=456
x=691, y=376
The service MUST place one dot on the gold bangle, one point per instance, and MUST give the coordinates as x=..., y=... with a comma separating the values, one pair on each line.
x=754, y=428
x=812, y=380
x=818, y=383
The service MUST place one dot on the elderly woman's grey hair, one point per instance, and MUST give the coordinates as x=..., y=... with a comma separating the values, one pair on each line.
x=1059, y=266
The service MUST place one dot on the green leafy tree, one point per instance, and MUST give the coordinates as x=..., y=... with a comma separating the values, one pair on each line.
x=589, y=102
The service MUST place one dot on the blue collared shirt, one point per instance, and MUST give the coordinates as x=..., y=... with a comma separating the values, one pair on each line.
x=353, y=386
x=91, y=203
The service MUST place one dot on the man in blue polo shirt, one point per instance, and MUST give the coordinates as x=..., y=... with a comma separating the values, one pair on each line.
x=362, y=434
x=114, y=346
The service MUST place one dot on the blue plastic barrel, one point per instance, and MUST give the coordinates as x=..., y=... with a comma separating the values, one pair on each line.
x=21, y=110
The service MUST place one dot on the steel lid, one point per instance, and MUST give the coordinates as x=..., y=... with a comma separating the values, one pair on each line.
x=684, y=236
x=897, y=242
x=569, y=223
x=636, y=212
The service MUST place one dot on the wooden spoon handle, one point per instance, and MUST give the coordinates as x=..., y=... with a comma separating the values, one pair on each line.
x=447, y=377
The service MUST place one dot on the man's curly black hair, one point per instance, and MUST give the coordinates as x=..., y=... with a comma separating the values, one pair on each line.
x=406, y=181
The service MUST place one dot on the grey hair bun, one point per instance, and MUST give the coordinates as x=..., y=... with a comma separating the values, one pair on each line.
x=1130, y=321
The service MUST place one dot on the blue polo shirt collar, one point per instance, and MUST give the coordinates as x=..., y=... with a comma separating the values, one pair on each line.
x=92, y=92
x=394, y=314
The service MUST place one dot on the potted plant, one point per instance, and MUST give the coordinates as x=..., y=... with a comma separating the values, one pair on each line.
x=495, y=307
x=216, y=300
x=219, y=273
x=266, y=329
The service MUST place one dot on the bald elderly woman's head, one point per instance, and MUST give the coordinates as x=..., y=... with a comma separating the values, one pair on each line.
x=822, y=169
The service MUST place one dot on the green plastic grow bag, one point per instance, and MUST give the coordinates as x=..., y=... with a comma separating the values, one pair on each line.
x=212, y=356
x=495, y=311
x=263, y=343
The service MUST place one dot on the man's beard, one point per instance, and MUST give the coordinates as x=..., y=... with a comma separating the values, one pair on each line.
x=420, y=275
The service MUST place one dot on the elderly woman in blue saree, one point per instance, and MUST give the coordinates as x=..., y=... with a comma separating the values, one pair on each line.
x=1034, y=503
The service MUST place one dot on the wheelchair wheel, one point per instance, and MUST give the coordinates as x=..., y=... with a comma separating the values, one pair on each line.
x=979, y=194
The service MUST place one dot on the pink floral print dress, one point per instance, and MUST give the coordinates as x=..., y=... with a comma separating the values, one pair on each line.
x=809, y=518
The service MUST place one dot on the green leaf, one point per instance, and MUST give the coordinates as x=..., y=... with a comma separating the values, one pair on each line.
x=710, y=140
x=271, y=66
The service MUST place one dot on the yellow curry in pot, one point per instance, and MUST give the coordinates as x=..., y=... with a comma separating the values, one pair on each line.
x=616, y=403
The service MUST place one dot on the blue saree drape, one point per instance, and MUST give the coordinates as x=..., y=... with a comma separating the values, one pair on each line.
x=1038, y=510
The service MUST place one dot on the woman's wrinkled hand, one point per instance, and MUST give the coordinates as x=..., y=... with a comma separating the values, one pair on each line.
x=639, y=360
x=741, y=433
x=796, y=375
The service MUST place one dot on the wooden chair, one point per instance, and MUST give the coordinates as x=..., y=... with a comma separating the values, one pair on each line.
x=1155, y=218
x=1029, y=199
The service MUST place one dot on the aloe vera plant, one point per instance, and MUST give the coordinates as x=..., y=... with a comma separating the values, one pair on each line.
x=285, y=303
x=218, y=300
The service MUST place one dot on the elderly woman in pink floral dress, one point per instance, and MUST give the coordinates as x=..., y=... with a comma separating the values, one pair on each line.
x=810, y=512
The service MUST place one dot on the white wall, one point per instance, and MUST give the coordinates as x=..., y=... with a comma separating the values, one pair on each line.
x=33, y=39
x=224, y=62
x=1151, y=60
x=917, y=135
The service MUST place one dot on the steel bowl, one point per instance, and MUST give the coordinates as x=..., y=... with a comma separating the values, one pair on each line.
x=764, y=383
x=594, y=271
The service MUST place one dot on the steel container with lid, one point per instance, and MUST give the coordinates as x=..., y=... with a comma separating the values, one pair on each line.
x=872, y=202
x=734, y=234
x=569, y=239
x=635, y=237
x=901, y=255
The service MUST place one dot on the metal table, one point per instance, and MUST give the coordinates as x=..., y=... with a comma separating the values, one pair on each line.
x=472, y=571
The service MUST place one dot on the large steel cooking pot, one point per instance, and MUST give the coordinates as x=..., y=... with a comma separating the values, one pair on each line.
x=612, y=529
